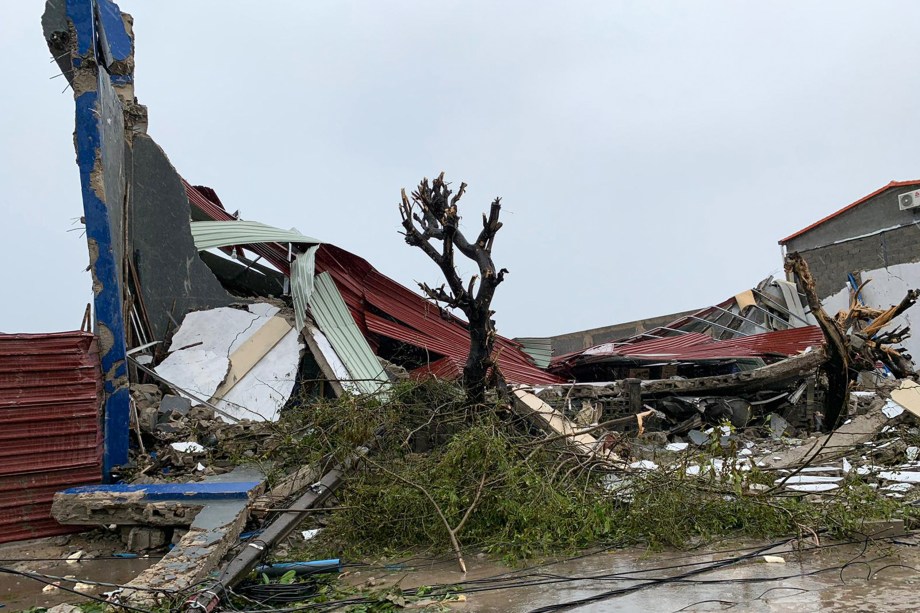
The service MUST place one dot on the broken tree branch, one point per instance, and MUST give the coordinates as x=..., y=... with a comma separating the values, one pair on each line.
x=837, y=364
x=451, y=532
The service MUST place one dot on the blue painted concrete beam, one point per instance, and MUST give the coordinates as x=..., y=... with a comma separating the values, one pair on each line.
x=107, y=285
x=203, y=491
x=114, y=40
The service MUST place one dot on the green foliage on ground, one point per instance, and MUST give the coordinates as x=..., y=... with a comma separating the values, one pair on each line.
x=430, y=453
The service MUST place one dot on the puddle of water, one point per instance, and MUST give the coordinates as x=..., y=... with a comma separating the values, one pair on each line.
x=18, y=592
x=879, y=577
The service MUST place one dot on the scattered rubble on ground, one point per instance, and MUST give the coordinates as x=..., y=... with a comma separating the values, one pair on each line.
x=283, y=402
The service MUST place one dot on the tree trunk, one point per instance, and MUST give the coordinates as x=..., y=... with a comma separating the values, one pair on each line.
x=478, y=363
x=430, y=218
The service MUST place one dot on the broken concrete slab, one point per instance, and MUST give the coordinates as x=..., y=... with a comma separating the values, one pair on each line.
x=221, y=330
x=173, y=280
x=215, y=512
x=247, y=354
x=196, y=371
x=161, y=504
x=264, y=390
x=215, y=530
x=143, y=538
x=175, y=404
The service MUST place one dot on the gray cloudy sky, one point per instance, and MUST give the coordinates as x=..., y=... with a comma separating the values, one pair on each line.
x=649, y=154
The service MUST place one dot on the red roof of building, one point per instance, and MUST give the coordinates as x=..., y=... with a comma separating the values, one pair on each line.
x=853, y=205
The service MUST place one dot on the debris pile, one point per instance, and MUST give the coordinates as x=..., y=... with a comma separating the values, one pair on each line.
x=263, y=382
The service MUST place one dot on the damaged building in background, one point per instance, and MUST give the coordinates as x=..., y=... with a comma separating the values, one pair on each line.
x=870, y=245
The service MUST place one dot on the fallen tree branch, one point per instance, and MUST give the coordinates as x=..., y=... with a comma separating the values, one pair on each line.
x=451, y=532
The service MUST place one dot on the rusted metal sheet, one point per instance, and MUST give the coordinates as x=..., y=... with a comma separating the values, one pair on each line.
x=50, y=435
x=702, y=347
x=445, y=368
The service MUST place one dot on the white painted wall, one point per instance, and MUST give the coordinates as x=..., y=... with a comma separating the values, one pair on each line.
x=887, y=287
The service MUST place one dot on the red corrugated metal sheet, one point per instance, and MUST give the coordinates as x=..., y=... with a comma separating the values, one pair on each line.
x=445, y=368
x=852, y=205
x=50, y=437
x=702, y=347
x=382, y=306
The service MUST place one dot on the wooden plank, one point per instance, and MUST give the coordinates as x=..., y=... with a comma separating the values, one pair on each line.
x=251, y=352
x=310, y=334
x=555, y=423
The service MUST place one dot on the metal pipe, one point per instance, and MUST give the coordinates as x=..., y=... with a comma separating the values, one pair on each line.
x=712, y=323
x=743, y=318
x=780, y=307
x=776, y=317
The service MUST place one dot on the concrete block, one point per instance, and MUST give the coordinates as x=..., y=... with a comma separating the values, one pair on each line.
x=143, y=538
x=174, y=404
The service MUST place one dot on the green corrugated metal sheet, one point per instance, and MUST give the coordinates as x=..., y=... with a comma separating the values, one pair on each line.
x=209, y=234
x=335, y=322
x=539, y=349
x=302, y=270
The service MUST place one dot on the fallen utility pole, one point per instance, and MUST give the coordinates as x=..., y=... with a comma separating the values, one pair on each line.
x=240, y=566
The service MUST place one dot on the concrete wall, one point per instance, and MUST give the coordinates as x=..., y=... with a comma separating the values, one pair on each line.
x=577, y=341
x=830, y=264
x=875, y=240
x=887, y=288
x=875, y=214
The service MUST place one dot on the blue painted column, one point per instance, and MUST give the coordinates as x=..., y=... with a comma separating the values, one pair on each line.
x=99, y=141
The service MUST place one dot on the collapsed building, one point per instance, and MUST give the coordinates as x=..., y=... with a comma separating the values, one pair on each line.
x=246, y=320
x=186, y=290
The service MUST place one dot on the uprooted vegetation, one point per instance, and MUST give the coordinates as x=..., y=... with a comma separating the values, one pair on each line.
x=439, y=477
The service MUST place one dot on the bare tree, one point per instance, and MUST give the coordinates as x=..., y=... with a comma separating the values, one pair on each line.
x=431, y=220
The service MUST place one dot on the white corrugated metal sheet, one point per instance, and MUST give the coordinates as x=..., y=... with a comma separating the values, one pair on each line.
x=336, y=323
x=539, y=349
x=303, y=269
x=210, y=234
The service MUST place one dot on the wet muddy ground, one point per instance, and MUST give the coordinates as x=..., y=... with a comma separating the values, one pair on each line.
x=45, y=556
x=879, y=576
x=869, y=576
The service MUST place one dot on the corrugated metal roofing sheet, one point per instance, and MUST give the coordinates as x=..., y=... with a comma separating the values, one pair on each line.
x=445, y=368
x=303, y=273
x=702, y=347
x=412, y=319
x=852, y=205
x=540, y=349
x=211, y=234
x=334, y=320
x=50, y=437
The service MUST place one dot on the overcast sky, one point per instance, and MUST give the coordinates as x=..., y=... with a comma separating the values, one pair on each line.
x=649, y=154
